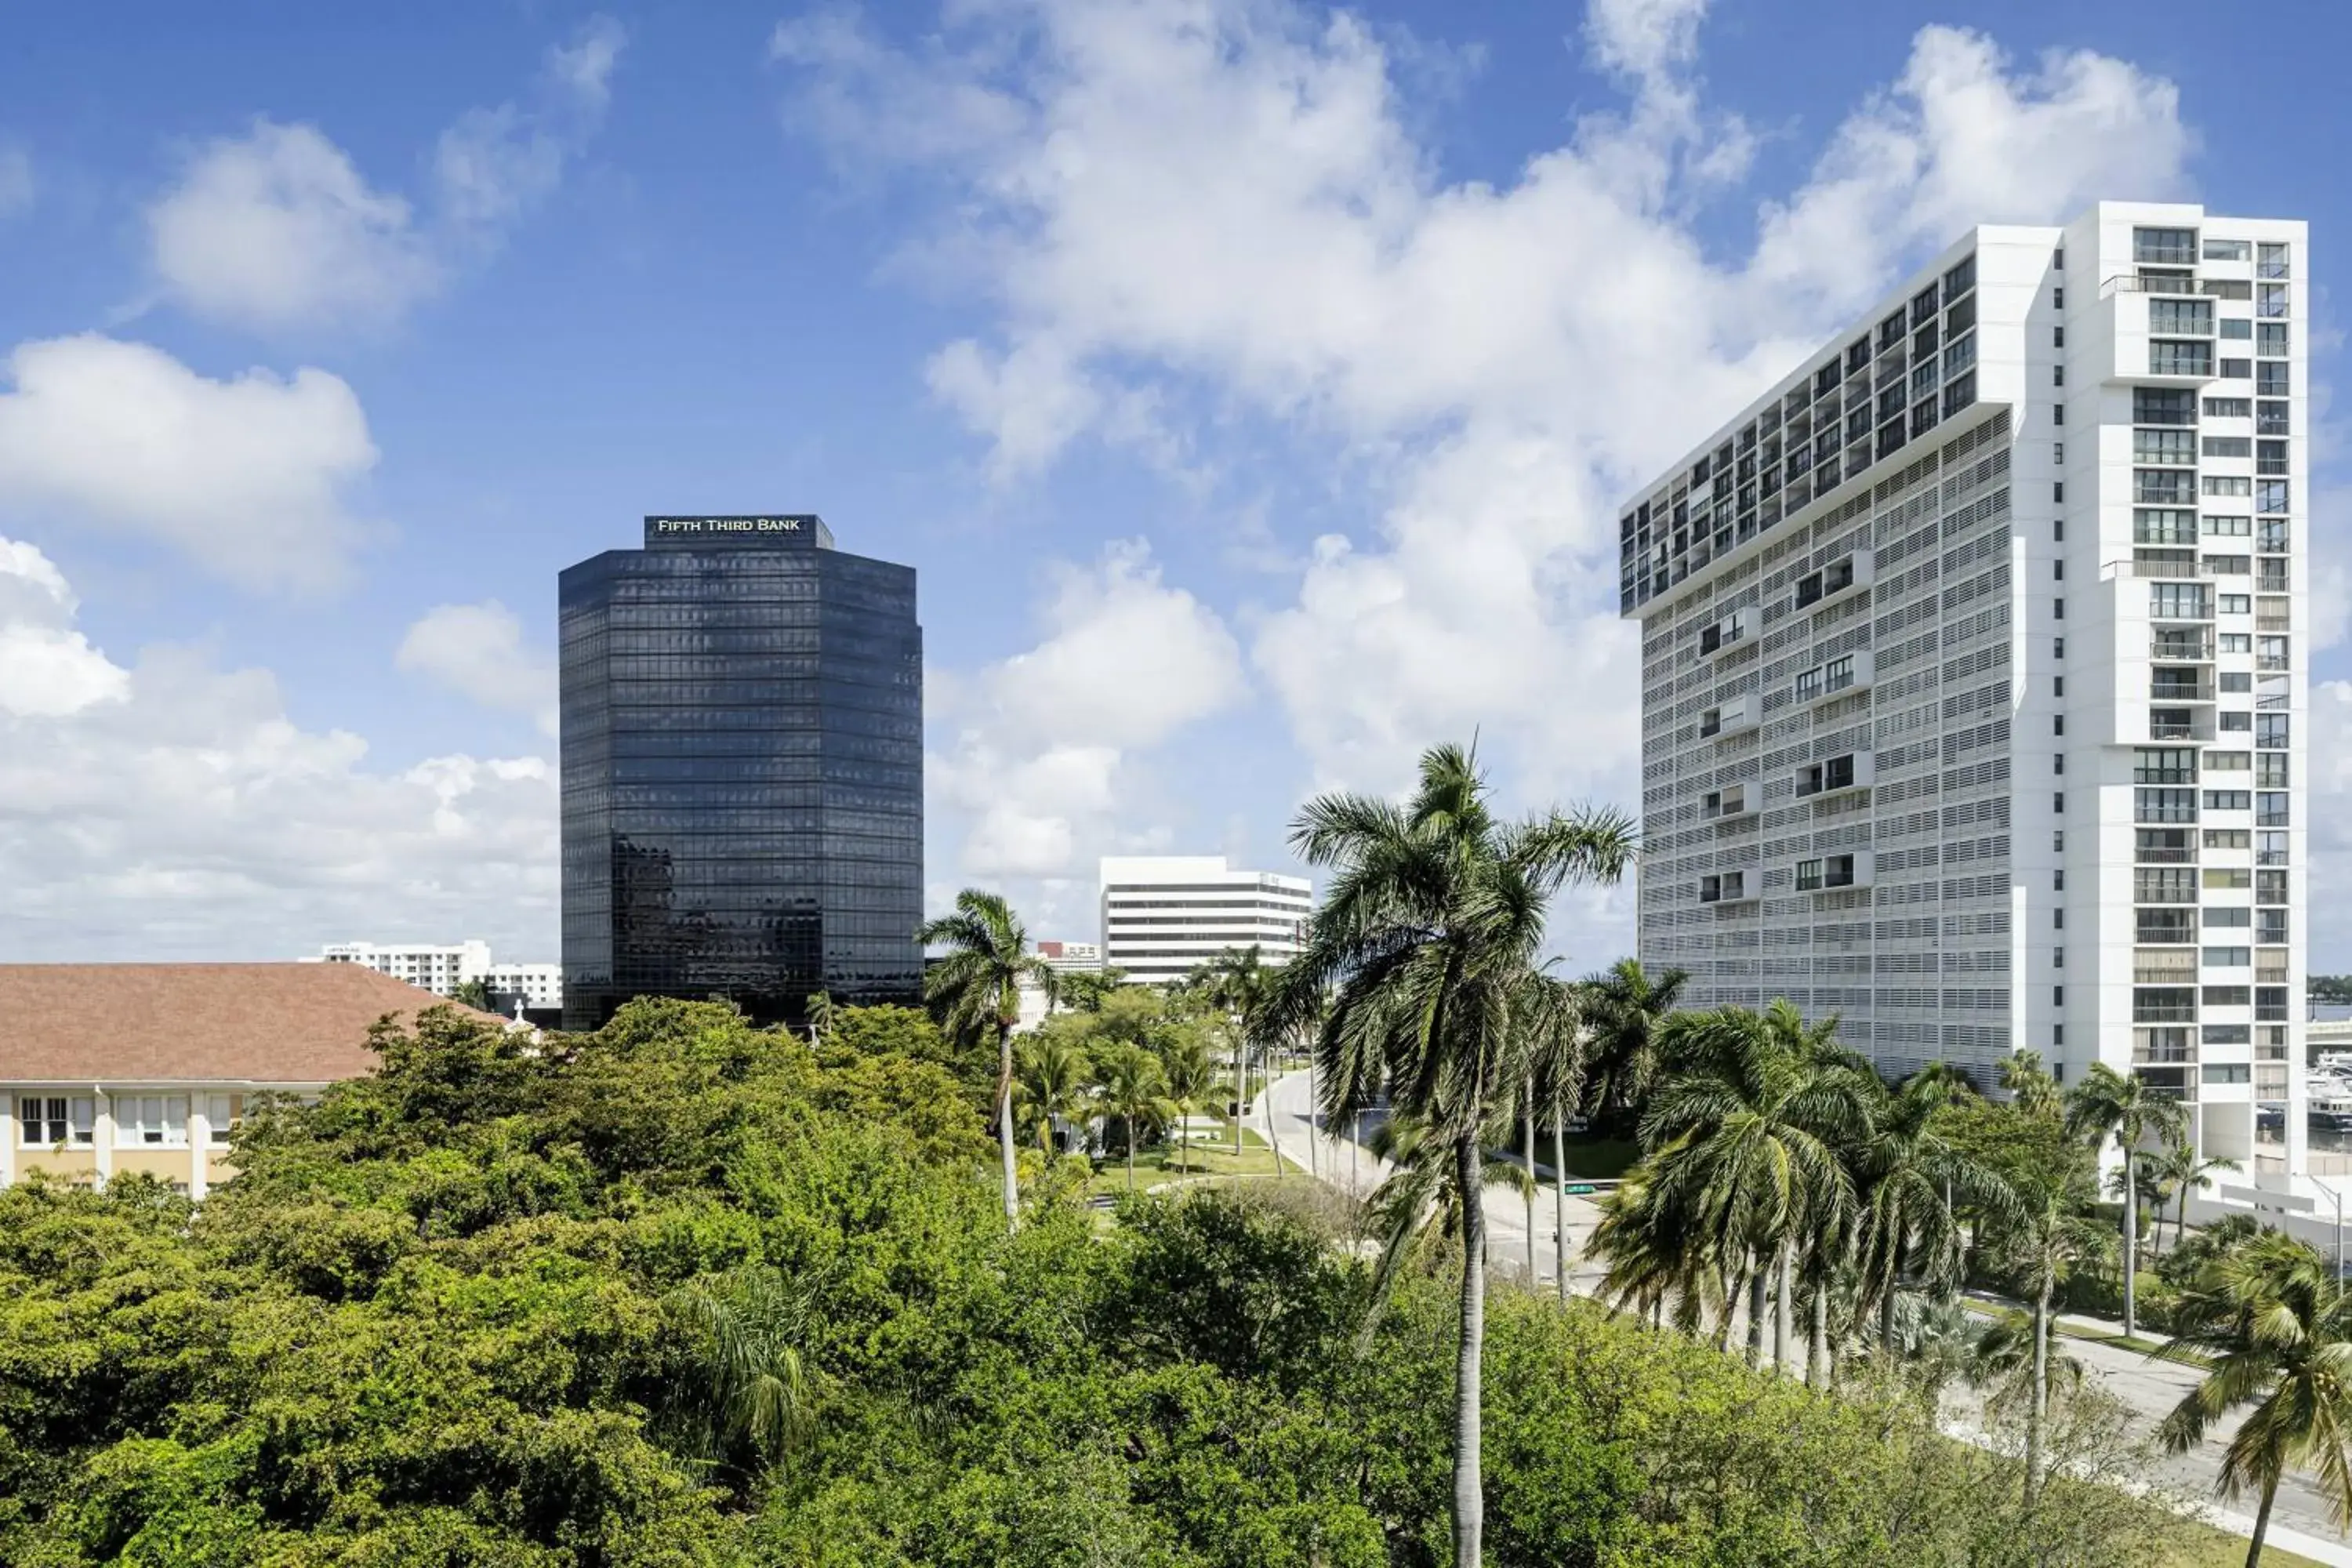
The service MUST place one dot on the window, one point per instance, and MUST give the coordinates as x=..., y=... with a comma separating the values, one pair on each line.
x=2271, y=341
x=1828, y=871
x=2180, y=316
x=2228, y=996
x=2057, y=414
x=2269, y=810
x=1961, y=278
x=2227, y=838
x=2229, y=799
x=2270, y=457
x=1730, y=886
x=2057, y=376
x=2228, y=484
x=1837, y=772
x=2270, y=419
x=2058, y=724
x=2167, y=487
x=145, y=1119
x=2178, y=602
x=2226, y=1072
x=2164, y=765
x=2235, y=369
x=2057, y=648
x=2237, y=721
x=48, y=1121
x=2168, y=356
x=2270, y=730
x=2163, y=246
x=2058, y=453
x=2270, y=496
x=2163, y=405
x=2164, y=805
x=2057, y=337
x=2270, y=260
x=2164, y=1005
x=2227, y=446
x=2270, y=299
x=2223, y=915
x=2162, y=846
x=2229, y=408
x=221, y=1116
x=2228, y=251
x=2271, y=379
x=2235, y=327
x=2166, y=446
x=2229, y=527
x=2237, y=603
x=2164, y=885
x=2272, y=775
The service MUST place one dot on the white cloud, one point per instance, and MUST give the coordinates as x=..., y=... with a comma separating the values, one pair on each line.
x=48, y=670
x=247, y=477
x=477, y=651
x=1036, y=754
x=178, y=812
x=277, y=229
x=1221, y=202
x=16, y=187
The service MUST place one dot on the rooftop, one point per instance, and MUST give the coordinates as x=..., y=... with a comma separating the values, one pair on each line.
x=190, y=1023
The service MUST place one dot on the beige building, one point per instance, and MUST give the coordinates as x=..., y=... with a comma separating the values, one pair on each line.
x=109, y=1068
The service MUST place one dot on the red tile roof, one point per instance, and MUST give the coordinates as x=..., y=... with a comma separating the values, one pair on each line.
x=157, y=1022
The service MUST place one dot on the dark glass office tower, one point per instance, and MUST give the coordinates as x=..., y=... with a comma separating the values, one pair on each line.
x=742, y=770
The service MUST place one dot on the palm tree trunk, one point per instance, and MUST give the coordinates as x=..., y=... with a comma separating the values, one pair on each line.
x=1527, y=1152
x=1004, y=1126
x=1756, y=1309
x=2262, y=1520
x=1560, y=1197
x=1886, y=1316
x=1782, y=1315
x=1241, y=1098
x=2037, y=1411
x=2131, y=1239
x=1314, y=1121
x=1817, y=1344
x=1130, y=1156
x=1469, y=1489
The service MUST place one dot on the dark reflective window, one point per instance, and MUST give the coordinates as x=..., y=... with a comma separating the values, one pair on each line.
x=742, y=778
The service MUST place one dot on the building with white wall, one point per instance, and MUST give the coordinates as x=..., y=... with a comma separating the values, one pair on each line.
x=112, y=1069
x=442, y=967
x=1974, y=663
x=1165, y=915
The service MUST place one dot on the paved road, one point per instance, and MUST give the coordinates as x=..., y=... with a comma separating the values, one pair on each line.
x=2299, y=1521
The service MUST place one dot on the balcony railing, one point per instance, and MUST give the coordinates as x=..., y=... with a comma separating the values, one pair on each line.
x=2181, y=692
x=2270, y=661
x=2181, y=650
x=2150, y=1056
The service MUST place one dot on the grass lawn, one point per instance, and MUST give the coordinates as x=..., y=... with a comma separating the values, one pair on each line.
x=1206, y=1155
x=1588, y=1156
x=2203, y=1546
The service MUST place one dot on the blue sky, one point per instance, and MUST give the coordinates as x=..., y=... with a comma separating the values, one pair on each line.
x=1250, y=382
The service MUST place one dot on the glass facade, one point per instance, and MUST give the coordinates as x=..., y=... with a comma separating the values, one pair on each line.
x=743, y=793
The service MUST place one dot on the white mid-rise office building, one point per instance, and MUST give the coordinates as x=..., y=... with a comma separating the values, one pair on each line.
x=1165, y=915
x=442, y=967
x=1974, y=663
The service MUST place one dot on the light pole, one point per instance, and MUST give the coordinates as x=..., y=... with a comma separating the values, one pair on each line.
x=2335, y=1195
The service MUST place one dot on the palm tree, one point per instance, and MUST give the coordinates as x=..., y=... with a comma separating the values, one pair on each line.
x=2281, y=1340
x=1553, y=1035
x=1083, y=990
x=1429, y=924
x=1051, y=1077
x=1908, y=1176
x=2181, y=1171
x=1650, y=1261
x=2041, y=1244
x=1237, y=983
x=1190, y=1075
x=977, y=988
x=1423, y=1190
x=2029, y=1084
x=2108, y=1104
x=1135, y=1089
x=1625, y=1009
x=820, y=1016
x=748, y=1390
x=1743, y=1137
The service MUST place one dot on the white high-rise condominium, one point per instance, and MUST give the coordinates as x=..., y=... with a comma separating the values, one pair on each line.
x=1165, y=915
x=1973, y=671
x=442, y=967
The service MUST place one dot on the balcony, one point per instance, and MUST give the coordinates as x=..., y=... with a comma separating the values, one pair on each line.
x=2162, y=690
x=2179, y=724
x=1735, y=717
x=2191, y=646
x=1726, y=806
x=1852, y=771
